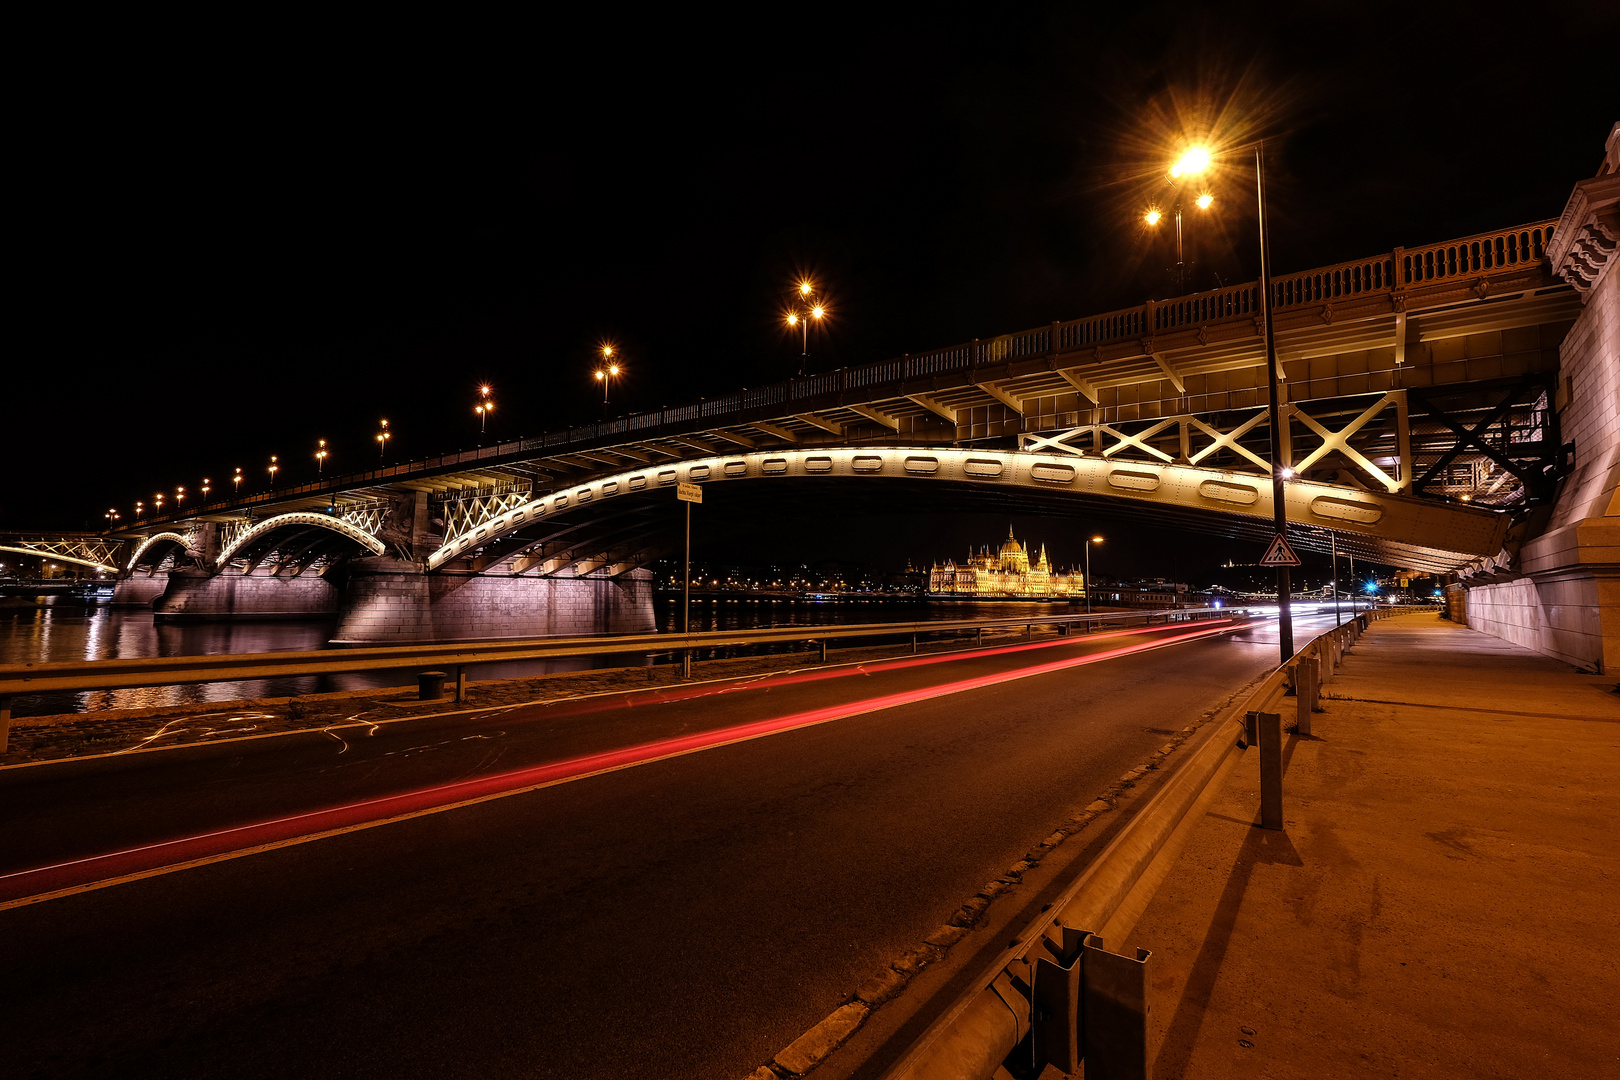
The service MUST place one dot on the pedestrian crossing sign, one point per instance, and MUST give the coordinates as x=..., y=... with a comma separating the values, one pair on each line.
x=1279, y=553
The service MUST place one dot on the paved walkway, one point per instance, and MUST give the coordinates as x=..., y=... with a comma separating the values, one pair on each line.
x=1444, y=900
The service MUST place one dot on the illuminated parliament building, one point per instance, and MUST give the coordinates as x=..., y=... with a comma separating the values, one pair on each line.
x=1004, y=574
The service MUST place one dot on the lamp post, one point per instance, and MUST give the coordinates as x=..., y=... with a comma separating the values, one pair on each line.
x=237, y=480
x=606, y=372
x=485, y=406
x=320, y=458
x=800, y=317
x=1191, y=164
x=179, y=496
x=1089, y=541
x=382, y=439
x=140, y=509
x=206, y=482
x=274, y=468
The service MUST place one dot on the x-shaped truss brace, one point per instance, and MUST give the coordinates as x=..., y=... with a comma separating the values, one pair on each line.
x=1059, y=442
x=1533, y=482
x=1340, y=441
x=1229, y=441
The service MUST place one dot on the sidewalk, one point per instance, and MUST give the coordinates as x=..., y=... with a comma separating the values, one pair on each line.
x=1444, y=900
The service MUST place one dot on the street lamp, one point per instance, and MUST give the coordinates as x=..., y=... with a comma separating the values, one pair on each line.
x=320, y=457
x=485, y=406
x=804, y=309
x=274, y=468
x=179, y=496
x=1194, y=162
x=607, y=371
x=237, y=479
x=1191, y=165
x=205, y=484
x=1089, y=541
x=140, y=508
x=158, y=499
x=382, y=439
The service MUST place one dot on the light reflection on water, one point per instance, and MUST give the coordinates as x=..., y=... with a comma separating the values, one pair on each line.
x=60, y=628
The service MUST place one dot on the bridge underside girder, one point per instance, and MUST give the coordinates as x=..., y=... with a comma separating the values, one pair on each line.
x=1397, y=530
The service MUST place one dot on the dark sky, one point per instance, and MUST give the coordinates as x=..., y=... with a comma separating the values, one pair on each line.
x=230, y=239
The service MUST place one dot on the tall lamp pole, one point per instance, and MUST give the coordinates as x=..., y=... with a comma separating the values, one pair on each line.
x=1280, y=471
x=1193, y=163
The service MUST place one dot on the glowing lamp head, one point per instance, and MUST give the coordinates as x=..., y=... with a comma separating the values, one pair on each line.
x=793, y=319
x=1096, y=540
x=1286, y=473
x=806, y=288
x=1205, y=201
x=1193, y=162
x=613, y=369
x=1153, y=217
x=484, y=390
x=601, y=375
x=607, y=350
x=818, y=311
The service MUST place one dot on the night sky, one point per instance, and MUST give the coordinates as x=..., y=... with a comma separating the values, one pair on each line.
x=231, y=239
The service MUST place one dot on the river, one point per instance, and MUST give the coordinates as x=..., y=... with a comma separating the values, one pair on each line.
x=59, y=628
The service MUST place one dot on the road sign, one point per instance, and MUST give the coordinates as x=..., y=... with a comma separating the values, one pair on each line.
x=689, y=493
x=1279, y=553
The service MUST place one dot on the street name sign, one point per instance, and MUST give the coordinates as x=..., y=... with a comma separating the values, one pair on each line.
x=1279, y=553
x=692, y=493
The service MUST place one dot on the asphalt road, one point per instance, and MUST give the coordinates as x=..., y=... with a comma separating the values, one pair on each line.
x=684, y=917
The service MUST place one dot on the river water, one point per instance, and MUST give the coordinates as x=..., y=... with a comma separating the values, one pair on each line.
x=59, y=628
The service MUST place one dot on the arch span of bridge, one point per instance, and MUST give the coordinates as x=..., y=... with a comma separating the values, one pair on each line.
x=154, y=549
x=59, y=557
x=300, y=521
x=1420, y=533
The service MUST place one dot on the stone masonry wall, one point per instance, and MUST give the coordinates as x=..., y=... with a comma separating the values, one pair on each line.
x=139, y=590
x=193, y=598
x=392, y=607
x=1568, y=603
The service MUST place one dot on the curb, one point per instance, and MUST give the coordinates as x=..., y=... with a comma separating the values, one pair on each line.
x=806, y=1052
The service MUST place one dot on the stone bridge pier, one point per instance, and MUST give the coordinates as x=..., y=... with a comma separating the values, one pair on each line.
x=1556, y=588
x=384, y=593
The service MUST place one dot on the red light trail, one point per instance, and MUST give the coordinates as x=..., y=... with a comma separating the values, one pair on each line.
x=40, y=883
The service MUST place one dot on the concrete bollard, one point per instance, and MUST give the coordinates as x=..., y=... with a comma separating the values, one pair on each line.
x=1305, y=693
x=1269, y=728
x=461, y=683
x=429, y=685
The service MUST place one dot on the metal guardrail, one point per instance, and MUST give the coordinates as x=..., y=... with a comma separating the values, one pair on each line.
x=67, y=676
x=1038, y=996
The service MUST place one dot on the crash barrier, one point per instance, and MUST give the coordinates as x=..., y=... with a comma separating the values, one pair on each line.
x=76, y=675
x=1056, y=996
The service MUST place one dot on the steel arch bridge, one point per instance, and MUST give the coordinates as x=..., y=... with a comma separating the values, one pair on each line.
x=1419, y=386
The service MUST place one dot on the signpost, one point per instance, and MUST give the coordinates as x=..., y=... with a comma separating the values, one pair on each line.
x=1279, y=553
x=688, y=494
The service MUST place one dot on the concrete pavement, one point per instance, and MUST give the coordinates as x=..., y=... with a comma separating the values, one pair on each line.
x=1442, y=901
